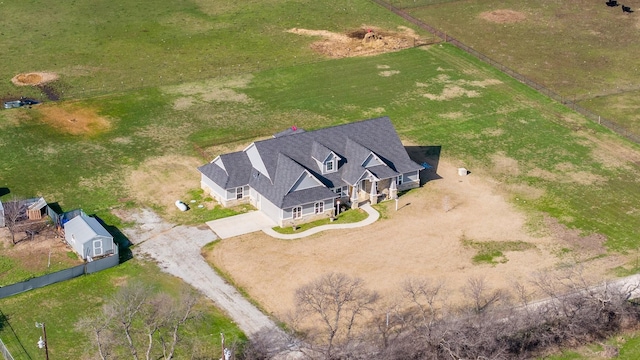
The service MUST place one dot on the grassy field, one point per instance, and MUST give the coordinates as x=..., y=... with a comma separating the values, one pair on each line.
x=150, y=81
x=582, y=50
x=61, y=305
x=102, y=47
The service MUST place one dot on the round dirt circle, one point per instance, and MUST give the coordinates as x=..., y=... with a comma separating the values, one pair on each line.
x=33, y=78
x=503, y=16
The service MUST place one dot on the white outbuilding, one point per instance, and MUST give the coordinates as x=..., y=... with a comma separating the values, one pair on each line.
x=88, y=237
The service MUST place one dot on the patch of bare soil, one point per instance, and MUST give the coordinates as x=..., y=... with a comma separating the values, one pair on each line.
x=163, y=180
x=73, y=119
x=503, y=16
x=34, y=78
x=36, y=252
x=365, y=41
x=422, y=239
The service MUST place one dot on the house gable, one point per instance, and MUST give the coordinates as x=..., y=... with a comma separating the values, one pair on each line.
x=305, y=181
x=218, y=161
x=256, y=160
x=372, y=160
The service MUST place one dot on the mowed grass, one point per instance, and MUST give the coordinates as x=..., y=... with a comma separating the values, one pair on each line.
x=62, y=305
x=581, y=49
x=102, y=47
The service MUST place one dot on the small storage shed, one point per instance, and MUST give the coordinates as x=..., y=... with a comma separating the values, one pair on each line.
x=88, y=238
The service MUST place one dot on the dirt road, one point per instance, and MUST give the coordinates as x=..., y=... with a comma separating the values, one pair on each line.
x=177, y=251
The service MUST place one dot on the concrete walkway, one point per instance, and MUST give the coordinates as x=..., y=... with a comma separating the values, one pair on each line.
x=373, y=216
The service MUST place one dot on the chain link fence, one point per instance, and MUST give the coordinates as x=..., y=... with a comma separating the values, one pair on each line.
x=610, y=124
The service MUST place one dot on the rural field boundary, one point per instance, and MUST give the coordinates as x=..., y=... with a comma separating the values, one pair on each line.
x=611, y=125
x=62, y=275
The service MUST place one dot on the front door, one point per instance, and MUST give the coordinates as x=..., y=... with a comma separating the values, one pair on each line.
x=97, y=248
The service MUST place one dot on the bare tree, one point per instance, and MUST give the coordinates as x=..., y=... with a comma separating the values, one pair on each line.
x=338, y=301
x=141, y=322
x=14, y=211
x=481, y=295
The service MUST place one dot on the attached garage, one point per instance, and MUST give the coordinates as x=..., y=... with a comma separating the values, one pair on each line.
x=88, y=237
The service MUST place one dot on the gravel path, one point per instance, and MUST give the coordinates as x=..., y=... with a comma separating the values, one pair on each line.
x=176, y=249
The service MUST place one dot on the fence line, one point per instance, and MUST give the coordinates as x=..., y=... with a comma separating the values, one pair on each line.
x=611, y=125
x=66, y=274
x=5, y=352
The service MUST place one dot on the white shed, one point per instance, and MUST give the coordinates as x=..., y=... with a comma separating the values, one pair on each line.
x=88, y=238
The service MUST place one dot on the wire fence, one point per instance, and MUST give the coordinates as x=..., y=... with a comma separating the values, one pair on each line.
x=5, y=352
x=570, y=103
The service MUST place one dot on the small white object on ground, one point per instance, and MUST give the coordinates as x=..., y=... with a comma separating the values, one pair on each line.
x=180, y=205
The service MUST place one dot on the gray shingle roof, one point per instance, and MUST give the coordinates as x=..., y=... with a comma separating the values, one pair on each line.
x=236, y=172
x=286, y=158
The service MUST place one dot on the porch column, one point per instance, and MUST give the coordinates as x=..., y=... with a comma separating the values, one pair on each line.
x=354, y=196
x=373, y=195
x=393, y=189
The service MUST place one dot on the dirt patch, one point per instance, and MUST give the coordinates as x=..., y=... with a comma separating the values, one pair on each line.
x=353, y=43
x=503, y=16
x=421, y=239
x=34, y=78
x=74, y=119
x=452, y=92
x=209, y=91
x=174, y=175
x=36, y=253
x=585, y=245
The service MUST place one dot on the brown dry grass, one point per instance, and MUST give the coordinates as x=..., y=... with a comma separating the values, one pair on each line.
x=162, y=180
x=34, y=78
x=503, y=16
x=335, y=45
x=421, y=239
x=73, y=119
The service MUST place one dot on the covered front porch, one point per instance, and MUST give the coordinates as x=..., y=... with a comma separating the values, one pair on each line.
x=373, y=191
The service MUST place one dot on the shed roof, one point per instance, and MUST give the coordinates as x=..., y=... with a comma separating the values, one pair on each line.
x=85, y=228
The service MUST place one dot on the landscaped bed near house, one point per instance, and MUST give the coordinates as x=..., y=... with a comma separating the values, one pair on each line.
x=346, y=217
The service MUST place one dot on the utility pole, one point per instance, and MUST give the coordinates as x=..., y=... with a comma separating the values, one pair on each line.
x=42, y=343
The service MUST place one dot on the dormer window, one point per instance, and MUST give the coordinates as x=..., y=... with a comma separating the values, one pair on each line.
x=329, y=166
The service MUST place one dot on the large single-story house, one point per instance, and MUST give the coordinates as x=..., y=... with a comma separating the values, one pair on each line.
x=89, y=238
x=299, y=176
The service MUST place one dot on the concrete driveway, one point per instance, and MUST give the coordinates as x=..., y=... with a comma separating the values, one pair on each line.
x=240, y=224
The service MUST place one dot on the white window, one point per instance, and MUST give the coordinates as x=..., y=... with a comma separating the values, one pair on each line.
x=329, y=166
x=73, y=238
x=319, y=207
x=400, y=179
x=239, y=193
x=297, y=212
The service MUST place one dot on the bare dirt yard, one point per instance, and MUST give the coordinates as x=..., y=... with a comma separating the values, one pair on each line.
x=42, y=252
x=364, y=41
x=424, y=238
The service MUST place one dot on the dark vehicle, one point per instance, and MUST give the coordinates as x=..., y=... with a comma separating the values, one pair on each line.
x=20, y=103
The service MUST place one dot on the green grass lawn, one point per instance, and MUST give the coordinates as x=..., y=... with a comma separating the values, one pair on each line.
x=346, y=217
x=581, y=50
x=102, y=47
x=61, y=305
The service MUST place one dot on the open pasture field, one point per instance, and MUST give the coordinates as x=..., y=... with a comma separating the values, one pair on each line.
x=582, y=50
x=103, y=47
